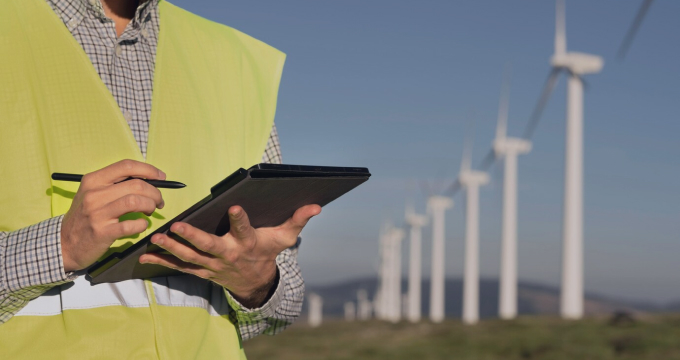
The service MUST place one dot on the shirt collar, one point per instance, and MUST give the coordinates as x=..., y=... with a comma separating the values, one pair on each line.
x=141, y=14
x=72, y=12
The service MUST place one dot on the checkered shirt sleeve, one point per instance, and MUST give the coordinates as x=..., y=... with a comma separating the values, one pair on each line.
x=281, y=309
x=30, y=264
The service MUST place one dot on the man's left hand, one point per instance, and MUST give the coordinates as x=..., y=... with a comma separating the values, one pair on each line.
x=243, y=260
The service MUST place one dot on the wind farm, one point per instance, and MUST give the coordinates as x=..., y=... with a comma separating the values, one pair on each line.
x=469, y=181
x=555, y=219
x=390, y=301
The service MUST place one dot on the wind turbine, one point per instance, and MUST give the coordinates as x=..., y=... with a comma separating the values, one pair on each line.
x=389, y=294
x=471, y=180
x=415, y=222
x=576, y=65
x=315, y=309
x=508, y=149
x=396, y=236
x=383, y=293
x=363, y=305
x=436, y=206
x=350, y=311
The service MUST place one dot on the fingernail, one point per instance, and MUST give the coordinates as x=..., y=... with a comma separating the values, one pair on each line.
x=162, y=205
x=158, y=240
x=161, y=175
x=142, y=260
x=179, y=230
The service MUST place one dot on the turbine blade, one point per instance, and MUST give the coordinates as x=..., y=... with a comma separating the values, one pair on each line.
x=453, y=189
x=409, y=209
x=488, y=160
x=440, y=185
x=560, y=29
x=410, y=199
x=425, y=188
x=501, y=126
x=497, y=175
x=466, y=163
x=634, y=27
x=542, y=101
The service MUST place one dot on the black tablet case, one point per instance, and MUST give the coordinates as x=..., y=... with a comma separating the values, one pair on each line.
x=268, y=193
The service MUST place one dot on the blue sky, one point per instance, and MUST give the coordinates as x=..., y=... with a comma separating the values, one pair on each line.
x=392, y=85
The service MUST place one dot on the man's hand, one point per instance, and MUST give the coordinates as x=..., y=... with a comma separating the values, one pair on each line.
x=91, y=225
x=243, y=260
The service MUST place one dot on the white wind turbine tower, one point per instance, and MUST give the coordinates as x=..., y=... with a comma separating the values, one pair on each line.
x=350, y=311
x=436, y=206
x=415, y=222
x=315, y=309
x=363, y=305
x=382, y=296
x=576, y=65
x=508, y=149
x=471, y=180
x=389, y=294
x=395, y=237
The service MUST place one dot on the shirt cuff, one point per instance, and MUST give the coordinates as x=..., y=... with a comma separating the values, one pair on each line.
x=33, y=259
x=247, y=316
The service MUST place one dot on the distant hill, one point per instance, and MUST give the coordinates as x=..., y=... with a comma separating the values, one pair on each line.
x=533, y=298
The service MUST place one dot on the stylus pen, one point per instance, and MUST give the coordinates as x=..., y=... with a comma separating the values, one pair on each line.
x=157, y=183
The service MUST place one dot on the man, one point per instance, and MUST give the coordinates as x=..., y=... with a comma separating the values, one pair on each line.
x=116, y=89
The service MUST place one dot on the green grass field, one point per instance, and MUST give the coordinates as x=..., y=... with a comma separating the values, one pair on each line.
x=650, y=337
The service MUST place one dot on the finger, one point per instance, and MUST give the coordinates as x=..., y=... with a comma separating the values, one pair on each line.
x=128, y=204
x=120, y=171
x=299, y=220
x=139, y=187
x=126, y=228
x=109, y=194
x=239, y=224
x=173, y=262
x=182, y=251
x=203, y=241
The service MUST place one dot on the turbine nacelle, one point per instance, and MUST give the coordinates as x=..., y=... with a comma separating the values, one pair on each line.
x=505, y=146
x=396, y=235
x=415, y=220
x=577, y=63
x=438, y=203
x=473, y=177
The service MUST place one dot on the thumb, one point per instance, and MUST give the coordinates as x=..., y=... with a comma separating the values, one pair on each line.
x=299, y=220
x=239, y=223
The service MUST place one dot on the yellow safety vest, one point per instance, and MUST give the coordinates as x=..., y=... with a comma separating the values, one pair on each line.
x=214, y=100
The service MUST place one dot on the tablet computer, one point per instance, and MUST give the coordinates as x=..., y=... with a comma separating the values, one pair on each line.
x=269, y=193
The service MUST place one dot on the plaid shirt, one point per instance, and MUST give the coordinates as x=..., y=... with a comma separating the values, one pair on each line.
x=30, y=258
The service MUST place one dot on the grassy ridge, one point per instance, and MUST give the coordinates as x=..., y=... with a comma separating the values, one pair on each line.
x=655, y=338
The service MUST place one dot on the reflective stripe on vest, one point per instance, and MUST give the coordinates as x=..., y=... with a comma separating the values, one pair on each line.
x=214, y=100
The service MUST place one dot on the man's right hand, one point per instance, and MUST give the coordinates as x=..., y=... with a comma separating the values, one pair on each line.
x=91, y=225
